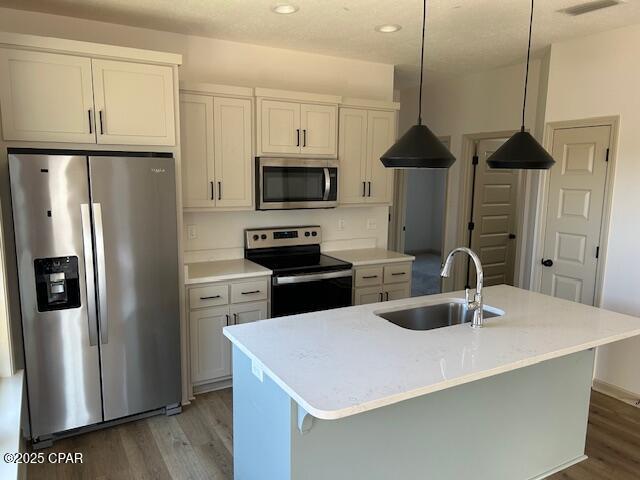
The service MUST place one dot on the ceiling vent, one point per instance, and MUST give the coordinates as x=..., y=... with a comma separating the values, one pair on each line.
x=590, y=7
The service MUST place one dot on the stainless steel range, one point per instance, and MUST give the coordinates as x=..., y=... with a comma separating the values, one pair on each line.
x=304, y=280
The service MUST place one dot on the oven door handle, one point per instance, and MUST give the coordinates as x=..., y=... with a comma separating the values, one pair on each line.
x=313, y=277
x=327, y=184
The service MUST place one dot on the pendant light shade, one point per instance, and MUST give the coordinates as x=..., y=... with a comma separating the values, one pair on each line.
x=418, y=147
x=522, y=151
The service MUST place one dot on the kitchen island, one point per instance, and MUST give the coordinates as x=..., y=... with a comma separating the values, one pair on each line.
x=345, y=394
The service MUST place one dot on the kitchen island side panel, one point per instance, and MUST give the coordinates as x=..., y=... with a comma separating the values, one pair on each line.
x=262, y=424
x=519, y=425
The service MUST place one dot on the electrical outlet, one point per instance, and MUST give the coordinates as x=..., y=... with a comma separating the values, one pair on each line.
x=341, y=224
x=371, y=224
x=192, y=232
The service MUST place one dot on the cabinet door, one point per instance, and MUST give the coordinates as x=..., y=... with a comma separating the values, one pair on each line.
x=398, y=291
x=134, y=103
x=319, y=129
x=210, y=349
x=196, y=120
x=363, y=296
x=233, y=156
x=381, y=135
x=352, y=155
x=280, y=127
x=46, y=97
x=249, y=312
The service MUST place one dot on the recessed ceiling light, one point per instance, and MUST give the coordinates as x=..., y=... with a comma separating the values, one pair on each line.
x=389, y=28
x=284, y=8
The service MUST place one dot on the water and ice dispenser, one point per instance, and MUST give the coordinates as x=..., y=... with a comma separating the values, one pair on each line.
x=57, y=283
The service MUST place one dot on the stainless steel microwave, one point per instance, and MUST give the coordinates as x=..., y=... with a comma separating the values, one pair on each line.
x=293, y=183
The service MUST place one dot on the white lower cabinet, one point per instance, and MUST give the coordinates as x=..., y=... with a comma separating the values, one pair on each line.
x=381, y=283
x=210, y=349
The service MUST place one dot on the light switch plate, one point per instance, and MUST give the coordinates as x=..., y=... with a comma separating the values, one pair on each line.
x=371, y=224
x=341, y=224
x=192, y=232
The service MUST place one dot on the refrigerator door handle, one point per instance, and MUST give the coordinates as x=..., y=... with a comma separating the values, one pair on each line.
x=89, y=274
x=102, y=274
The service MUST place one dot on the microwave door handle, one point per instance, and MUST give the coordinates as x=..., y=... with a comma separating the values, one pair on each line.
x=327, y=184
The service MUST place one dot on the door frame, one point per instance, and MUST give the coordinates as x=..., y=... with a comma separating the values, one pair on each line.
x=462, y=232
x=543, y=204
x=398, y=211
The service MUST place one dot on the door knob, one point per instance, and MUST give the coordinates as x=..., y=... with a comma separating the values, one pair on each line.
x=547, y=263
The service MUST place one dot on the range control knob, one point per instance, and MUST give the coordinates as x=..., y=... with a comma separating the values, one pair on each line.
x=306, y=234
x=263, y=236
x=255, y=237
x=315, y=234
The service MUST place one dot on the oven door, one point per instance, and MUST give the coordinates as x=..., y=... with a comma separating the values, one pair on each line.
x=310, y=293
x=290, y=183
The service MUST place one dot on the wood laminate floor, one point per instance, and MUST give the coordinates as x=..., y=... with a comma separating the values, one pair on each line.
x=197, y=444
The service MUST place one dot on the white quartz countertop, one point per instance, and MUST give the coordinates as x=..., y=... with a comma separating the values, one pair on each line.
x=341, y=362
x=370, y=256
x=219, y=271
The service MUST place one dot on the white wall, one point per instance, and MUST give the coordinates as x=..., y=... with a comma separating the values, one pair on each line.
x=219, y=61
x=600, y=76
x=220, y=235
x=483, y=102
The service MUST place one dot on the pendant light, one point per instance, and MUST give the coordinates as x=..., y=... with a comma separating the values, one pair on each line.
x=418, y=147
x=522, y=151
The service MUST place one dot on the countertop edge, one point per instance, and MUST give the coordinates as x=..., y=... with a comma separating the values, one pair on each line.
x=392, y=399
x=230, y=276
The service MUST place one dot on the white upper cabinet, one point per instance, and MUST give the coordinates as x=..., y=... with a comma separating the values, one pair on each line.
x=217, y=151
x=364, y=136
x=280, y=127
x=134, y=103
x=196, y=130
x=233, y=156
x=301, y=125
x=353, y=155
x=381, y=133
x=319, y=133
x=46, y=97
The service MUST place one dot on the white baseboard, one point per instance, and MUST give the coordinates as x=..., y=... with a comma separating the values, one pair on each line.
x=616, y=392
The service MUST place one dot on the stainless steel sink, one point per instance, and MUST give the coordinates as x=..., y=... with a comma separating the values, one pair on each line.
x=439, y=315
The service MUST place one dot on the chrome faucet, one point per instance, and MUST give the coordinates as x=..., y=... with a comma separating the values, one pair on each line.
x=476, y=304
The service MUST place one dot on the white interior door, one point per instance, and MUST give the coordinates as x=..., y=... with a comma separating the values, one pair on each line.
x=196, y=119
x=381, y=131
x=574, y=212
x=134, y=103
x=233, y=157
x=352, y=155
x=46, y=97
x=319, y=129
x=279, y=127
x=494, y=217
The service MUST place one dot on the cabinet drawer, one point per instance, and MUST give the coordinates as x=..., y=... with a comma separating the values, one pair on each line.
x=209, y=296
x=397, y=273
x=249, y=291
x=368, y=276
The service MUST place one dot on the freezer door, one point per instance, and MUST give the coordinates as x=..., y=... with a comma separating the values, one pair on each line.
x=52, y=226
x=135, y=228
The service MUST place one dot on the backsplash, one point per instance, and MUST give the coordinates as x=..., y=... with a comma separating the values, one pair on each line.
x=220, y=234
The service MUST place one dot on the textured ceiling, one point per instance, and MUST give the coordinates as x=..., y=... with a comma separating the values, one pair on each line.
x=462, y=35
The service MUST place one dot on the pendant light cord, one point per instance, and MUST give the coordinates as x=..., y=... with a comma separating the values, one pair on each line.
x=424, y=19
x=526, y=76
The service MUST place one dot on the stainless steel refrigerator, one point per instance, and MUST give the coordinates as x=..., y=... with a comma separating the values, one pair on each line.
x=96, y=243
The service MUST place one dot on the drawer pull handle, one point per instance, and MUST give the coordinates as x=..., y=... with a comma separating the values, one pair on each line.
x=399, y=273
x=210, y=298
x=370, y=276
x=251, y=292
